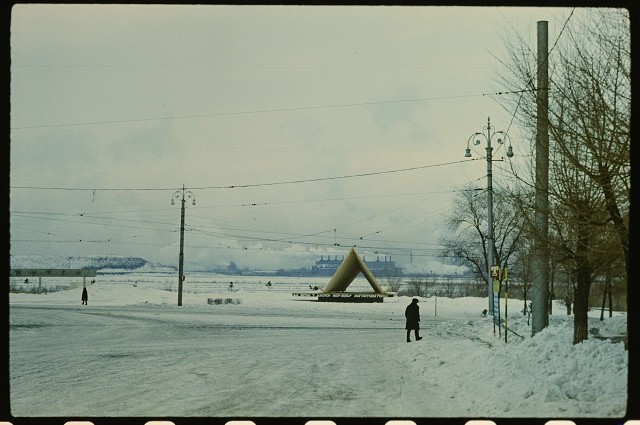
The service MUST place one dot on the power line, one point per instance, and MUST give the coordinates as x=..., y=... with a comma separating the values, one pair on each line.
x=251, y=204
x=349, y=198
x=279, y=237
x=397, y=251
x=255, y=111
x=337, y=177
x=521, y=92
x=94, y=223
x=561, y=31
x=500, y=93
x=258, y=67
x=291, y=241
x=374, y=173
x=90, y=189
x=48, y=215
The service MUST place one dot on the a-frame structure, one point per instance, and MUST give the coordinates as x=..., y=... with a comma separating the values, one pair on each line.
x=349, y=269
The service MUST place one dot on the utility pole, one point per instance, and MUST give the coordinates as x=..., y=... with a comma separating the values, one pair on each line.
x=540, y=281
x=490, y=239
x=491, y=246
x=181, y=195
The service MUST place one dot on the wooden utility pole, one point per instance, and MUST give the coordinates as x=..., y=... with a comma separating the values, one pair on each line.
x=181, y=195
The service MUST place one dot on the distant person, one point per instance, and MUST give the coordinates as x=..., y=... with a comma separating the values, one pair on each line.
x=85, y=296
x=412, y=313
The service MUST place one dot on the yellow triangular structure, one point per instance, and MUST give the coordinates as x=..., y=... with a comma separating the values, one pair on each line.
x=351, y=266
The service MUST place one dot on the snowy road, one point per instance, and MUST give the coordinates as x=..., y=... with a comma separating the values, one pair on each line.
x=158, y=360
x=130, y=353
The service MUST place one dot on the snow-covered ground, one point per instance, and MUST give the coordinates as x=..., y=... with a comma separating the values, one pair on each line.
x=262, y=352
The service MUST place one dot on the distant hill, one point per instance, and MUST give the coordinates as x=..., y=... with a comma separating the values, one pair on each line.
x=103, y=264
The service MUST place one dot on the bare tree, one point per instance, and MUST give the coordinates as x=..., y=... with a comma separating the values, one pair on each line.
x=416, y=287
x=589, y=125
x=594, y=96
x=393, y=283
x=468, y=224
x=521, y=270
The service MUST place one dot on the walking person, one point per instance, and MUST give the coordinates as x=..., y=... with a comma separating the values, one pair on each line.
x=85, y=296
x=412, y=313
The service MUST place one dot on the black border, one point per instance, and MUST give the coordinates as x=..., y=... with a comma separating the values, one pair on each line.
x=633, y=402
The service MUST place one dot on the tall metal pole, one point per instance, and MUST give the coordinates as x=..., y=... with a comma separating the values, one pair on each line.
x=540, y=280
x=490, y=240
x=181, y=195
x=491, y=246
x=181, y=257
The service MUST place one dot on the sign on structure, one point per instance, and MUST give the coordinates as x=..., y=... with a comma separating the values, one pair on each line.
x=52, y=273
x=496, y=286
x=495, y=272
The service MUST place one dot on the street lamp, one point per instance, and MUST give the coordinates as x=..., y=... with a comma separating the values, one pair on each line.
x=490, y=239
x=181, y=195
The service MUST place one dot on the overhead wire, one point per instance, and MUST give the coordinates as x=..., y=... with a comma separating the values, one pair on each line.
x=317, y=234
x=256, y=111
x=530, y=82
x=405, y=222
x=289, y=240
x=256, y=184
x=39, y=217
x=289, y=237
x=304, y=201
x=285, y=182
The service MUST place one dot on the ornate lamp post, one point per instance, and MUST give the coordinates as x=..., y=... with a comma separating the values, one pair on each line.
x=490, y=239
x=181, y=195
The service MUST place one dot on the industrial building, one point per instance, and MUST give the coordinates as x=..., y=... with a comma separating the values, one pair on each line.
x=381, y=268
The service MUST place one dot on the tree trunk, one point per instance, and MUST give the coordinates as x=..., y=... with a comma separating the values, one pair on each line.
x=607, y=289
x=580, y=308
x=583, y=284
x=604, y=301
x=610, y=301
x=552, y=280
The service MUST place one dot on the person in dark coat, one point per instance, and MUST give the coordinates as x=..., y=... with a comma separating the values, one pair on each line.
x=85, y=296
x=412, y=313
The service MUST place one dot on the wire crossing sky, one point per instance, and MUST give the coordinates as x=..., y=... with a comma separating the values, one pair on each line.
x=300, y=130
x=373, y=173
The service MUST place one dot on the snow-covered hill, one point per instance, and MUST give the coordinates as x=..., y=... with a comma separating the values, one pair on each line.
x=103, y=264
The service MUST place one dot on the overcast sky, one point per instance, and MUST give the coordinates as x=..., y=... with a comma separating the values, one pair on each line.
x=115, y=107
